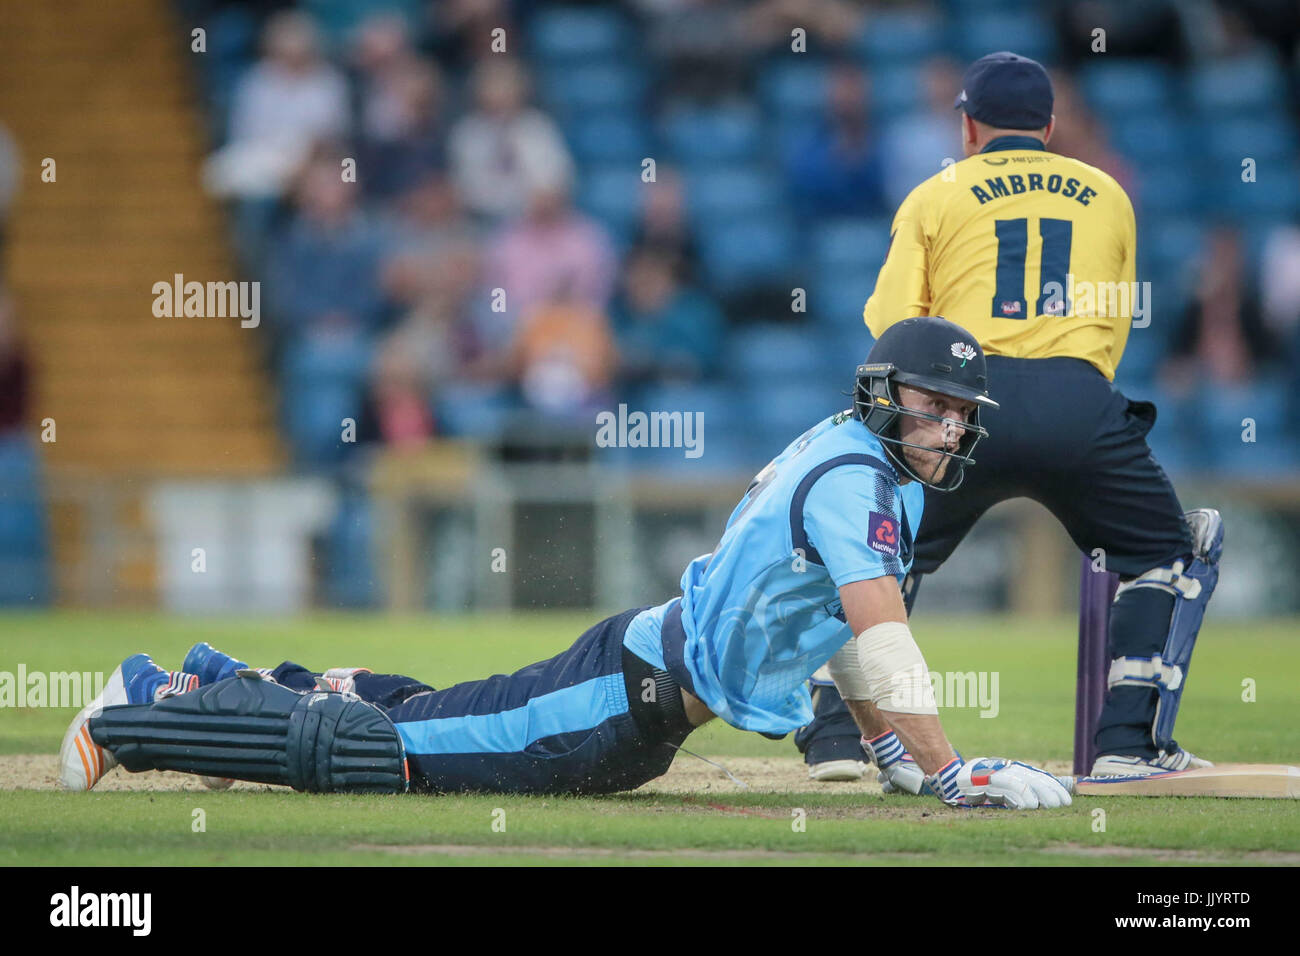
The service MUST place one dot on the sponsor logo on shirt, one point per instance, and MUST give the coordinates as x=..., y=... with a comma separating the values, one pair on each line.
x=882, y=534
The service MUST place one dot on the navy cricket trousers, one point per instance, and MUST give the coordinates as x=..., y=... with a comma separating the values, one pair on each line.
x=1066, y=437
x=579, y=722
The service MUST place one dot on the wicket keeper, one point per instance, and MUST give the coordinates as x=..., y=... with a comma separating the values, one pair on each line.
x=807, y=573
x=1034, y=254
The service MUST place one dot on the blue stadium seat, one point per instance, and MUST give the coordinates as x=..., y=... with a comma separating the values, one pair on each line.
x=470, y=410
x=723, y=192
x=698, y=134
x=977, y=33
x=782, y=411
x=1273, y=197
x=578, y=33
x=611, y=137
x=579, y=88
x=1151, y=139
x=901, y=35
x=794, y=89
x=772, y=353
x=1264, y=139
x=1170, y=243
x=1117, y=87
x=1255, y=82
x=1143, y=353
x=897, y=89
x=722, y=450
x=850, y=243
x=1221, y=414
x=837, y=296
x=313, y=417
x=1170, y=191
x=350, y=580
x=309, y=362
x=613, y=194
x=743, y=252
x=321, y=384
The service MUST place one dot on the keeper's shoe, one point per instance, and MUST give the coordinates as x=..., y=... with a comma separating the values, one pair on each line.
x=832, y=771
x=137, y=680
x=1115, y=765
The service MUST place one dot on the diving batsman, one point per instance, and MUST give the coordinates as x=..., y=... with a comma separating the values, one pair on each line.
x=806, y=574
x=1033, y=253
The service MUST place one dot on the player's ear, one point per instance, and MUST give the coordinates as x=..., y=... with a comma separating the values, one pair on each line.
x=1051, y=128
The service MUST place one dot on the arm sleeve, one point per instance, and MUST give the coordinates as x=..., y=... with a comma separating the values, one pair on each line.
x=903, y=286
x=852, y=519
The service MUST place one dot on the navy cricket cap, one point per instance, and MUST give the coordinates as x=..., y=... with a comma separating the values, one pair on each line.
x=1007, y=91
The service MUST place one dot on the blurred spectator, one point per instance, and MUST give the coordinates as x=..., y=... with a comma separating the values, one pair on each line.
x=664, y=226
x=830, y=24
x=1222, y=340
x=664, y=330
x=412, y=145
x=1279, y=281
x=1080, y=135
x=837, y=168
x=428, y=216
x=563, y=357
x=703, y=48
x=15, y=371
x=324, y=272
x=462, y=30
x=1133, y=28
x=286, y=103
x=428, y=347
x=917, y=143
x=551, y=243
x=503, y=148
x=341, y=20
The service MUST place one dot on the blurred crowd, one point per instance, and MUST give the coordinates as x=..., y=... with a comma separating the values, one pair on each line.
x=450, y=206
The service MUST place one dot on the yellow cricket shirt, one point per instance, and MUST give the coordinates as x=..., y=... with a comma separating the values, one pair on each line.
x=1032, y=252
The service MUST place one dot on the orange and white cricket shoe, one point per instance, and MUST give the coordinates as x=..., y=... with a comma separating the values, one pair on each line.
x=82, y=762
x=137, y=680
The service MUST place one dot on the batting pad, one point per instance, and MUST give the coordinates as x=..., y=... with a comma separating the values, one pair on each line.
x=251, y=729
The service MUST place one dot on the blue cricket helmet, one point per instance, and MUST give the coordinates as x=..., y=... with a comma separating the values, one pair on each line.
x=929, y=353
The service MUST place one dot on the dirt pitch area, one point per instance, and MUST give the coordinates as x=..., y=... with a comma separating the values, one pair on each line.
x=688, y=775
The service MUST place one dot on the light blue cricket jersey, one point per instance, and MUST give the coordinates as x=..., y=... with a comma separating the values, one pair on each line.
x=761, y=613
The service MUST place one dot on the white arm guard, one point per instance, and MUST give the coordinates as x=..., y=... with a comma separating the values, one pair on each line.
x=884, y=665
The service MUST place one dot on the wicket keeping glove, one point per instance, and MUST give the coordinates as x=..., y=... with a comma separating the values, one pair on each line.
x=898, y=771
x=997, y=782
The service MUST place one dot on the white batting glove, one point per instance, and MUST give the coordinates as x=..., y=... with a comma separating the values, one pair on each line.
x=898, y=771
x=998, y=782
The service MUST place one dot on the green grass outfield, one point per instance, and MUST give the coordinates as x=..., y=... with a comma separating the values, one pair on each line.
x=723, y=824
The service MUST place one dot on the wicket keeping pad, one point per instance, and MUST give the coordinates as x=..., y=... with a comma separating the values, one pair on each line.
x=252, y=729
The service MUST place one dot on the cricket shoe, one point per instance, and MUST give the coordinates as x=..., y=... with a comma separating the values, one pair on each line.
x=210, y=664
x=137, y=680
x=1114, y=765
x=833, y=771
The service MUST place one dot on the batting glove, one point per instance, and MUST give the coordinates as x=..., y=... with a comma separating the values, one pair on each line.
x=998, y=782
x=898, y=771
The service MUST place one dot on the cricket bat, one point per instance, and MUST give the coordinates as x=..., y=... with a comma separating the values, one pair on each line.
x=1261, y=780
